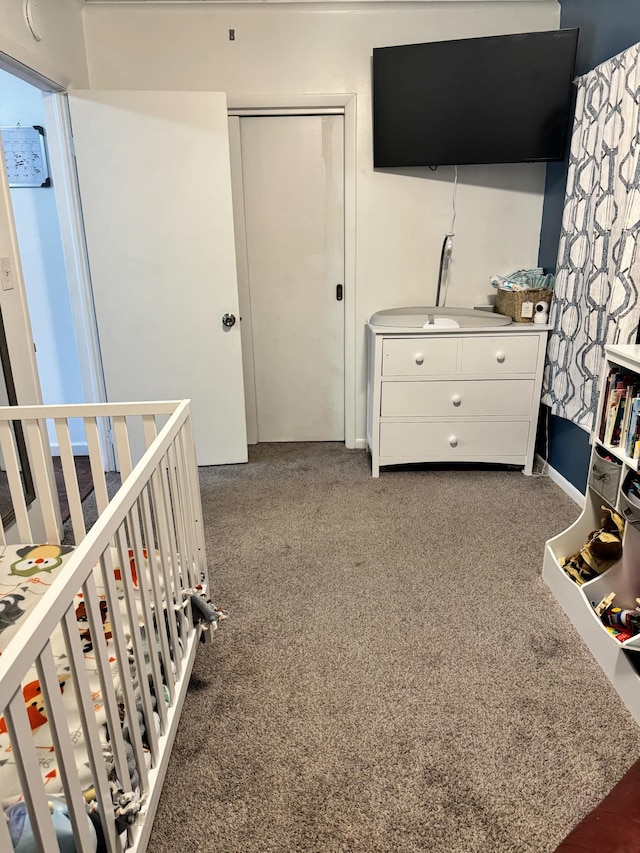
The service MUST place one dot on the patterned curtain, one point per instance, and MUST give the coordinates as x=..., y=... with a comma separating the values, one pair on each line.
x=598, y=272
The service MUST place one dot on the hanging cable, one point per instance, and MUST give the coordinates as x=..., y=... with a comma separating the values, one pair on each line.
x=447, y=247
x=441, y=269
x=453, y=200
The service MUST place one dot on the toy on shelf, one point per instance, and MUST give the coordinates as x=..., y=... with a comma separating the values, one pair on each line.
x=622, y=623
x=605, y=604
x=602, y=549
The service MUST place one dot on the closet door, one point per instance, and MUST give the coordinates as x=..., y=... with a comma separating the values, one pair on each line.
x=293, y=184
x=154, y=175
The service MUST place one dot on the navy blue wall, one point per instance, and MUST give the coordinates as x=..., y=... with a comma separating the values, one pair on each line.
x=606, y=28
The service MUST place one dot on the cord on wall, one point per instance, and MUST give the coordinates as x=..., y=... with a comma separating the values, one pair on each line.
x=447, y=247
x=453, y=201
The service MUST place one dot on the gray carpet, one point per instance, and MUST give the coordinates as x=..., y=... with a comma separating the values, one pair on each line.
x=395, y=676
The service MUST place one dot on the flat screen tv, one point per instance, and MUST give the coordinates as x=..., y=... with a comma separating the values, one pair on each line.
x=499, y=99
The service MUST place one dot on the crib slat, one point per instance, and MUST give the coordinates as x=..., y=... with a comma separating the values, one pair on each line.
x=74, y=798
x=97, y=464
x=31, y=782
x=143, y=589
x=185, y=574
x=162, y=596
x=173, y=544
x=123, y=448
x=89, y=726
x=136, y=642
x=107, y=568
x=105, y=675
x=187, y=510
x=70, y=479
x=196, y=501
x=189, y=574
x=149, y=428
x=158, y=602
x=170, y=591
x=43, y=475
x=7, y=442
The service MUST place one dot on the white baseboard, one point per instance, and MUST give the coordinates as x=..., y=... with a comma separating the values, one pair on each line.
x=80, y=448
x=361, y=444
x=558, y=479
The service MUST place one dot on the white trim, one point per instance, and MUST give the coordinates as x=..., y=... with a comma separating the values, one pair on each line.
x=23, y=64
x=244, y=291
x=350, y=384
x=287, y=111
x=74, y=247
x=67, y=196
x=270, y=104
x=79, y=448
x=339, y=103
x=235, y=3
x=567, y=487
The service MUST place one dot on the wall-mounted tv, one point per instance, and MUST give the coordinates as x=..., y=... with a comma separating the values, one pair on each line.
x=499, y=99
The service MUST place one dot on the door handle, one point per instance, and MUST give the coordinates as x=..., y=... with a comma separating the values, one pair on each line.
x=339, y=292
x=228, y=320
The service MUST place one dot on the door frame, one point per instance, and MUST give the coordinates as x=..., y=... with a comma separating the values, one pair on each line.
x=67, y=194
x=330, y=104
x=61, y=156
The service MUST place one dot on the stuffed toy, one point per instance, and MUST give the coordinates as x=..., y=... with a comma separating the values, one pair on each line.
x=602, y=549
x=22, y=835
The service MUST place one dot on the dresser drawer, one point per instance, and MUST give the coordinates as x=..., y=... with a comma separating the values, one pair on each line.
x=504, y=354
x=455, y=439
x=449, y=397
x=419, y=357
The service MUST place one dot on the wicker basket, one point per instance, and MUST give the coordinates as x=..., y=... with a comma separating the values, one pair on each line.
x=510, y=302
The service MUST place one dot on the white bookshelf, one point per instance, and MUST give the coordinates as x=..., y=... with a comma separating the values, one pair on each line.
x=619, y=660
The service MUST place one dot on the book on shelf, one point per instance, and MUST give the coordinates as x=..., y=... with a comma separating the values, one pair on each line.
x=613, y=414
x=621, y=389
x=608, y=389
x=625, y=423
x=616, y=432
x=633, y=429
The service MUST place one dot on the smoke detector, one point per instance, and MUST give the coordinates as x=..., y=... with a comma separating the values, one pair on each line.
x=33, y=17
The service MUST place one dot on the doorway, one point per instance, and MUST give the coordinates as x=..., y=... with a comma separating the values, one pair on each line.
x=38, y=229
x=55, y=289
x=290, y=210
x=49, y=244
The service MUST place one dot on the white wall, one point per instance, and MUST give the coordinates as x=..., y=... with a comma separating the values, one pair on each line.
x=401, y=217
x=60, y=54
x=38, y=228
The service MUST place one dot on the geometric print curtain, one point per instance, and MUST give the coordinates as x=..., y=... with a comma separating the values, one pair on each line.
x=596, y=297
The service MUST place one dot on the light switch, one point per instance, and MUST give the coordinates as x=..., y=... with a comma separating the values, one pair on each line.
x=6, y=271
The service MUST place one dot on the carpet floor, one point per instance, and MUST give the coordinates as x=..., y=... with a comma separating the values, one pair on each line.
x=85, y=482
x=394, y=674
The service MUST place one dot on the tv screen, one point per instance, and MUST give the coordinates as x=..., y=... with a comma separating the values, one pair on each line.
x=500, y=99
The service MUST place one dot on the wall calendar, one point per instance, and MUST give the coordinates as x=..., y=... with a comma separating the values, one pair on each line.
x=25, y=156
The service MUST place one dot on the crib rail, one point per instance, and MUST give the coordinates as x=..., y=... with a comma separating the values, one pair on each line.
x=146, y=553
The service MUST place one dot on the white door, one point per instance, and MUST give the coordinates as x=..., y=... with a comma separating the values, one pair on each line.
x=154, y=175
x=293, y=179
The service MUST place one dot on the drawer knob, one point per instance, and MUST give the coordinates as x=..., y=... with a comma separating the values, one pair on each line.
x=419, y=358
x=453, y=441
x=456, y=399
x=500, y=357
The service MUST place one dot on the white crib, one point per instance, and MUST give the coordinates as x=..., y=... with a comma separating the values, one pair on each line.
x=117, y=611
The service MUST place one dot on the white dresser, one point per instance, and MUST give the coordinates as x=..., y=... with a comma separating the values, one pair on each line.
x=454, y=395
